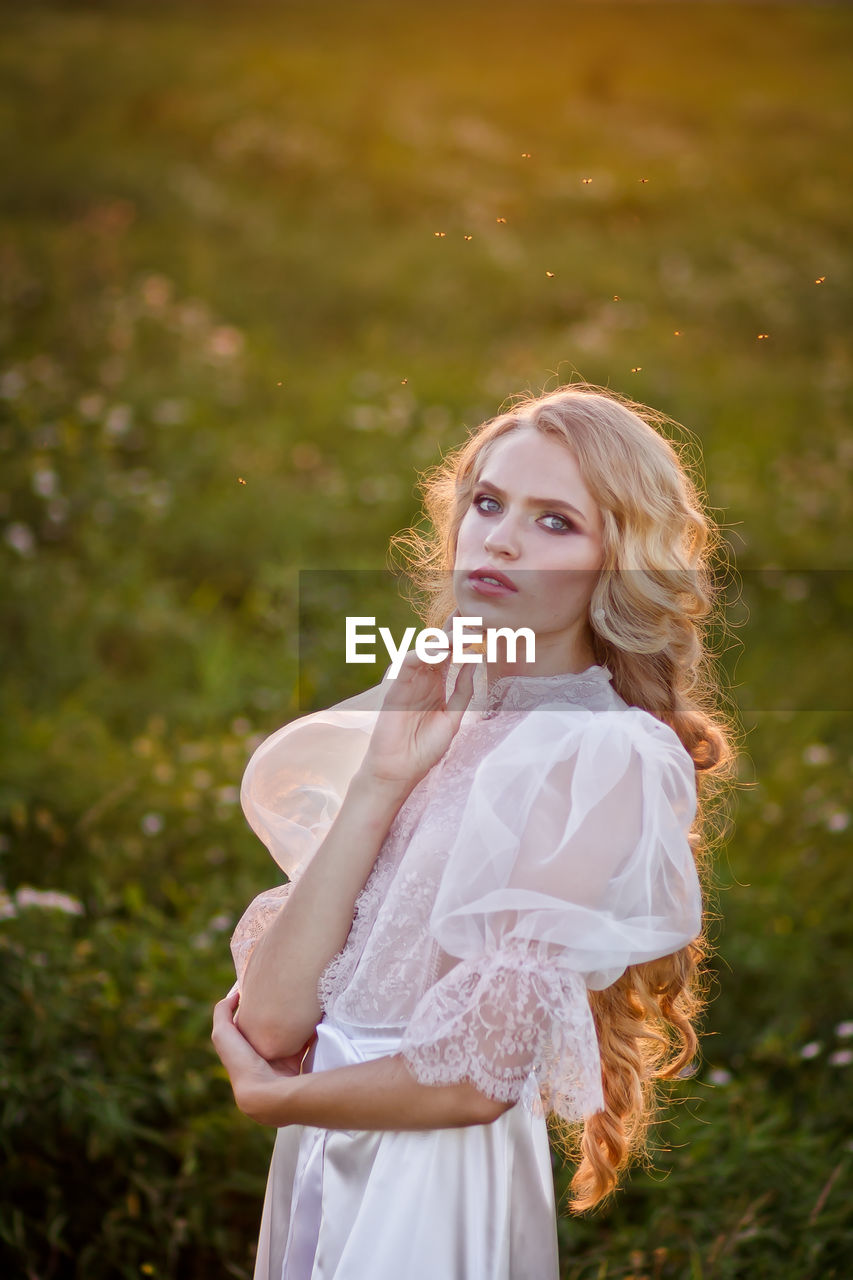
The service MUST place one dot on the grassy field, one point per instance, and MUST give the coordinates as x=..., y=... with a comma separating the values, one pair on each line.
x=259, y=264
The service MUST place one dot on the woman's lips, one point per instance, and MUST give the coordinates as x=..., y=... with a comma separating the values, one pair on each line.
x=496, y=588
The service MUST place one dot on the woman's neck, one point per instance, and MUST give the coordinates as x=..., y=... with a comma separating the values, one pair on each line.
x=548, y=665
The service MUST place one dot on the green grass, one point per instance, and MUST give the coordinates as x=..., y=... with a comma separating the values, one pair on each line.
x=230, y=339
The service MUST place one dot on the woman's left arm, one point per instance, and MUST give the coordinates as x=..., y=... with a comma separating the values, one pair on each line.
x=382, y=1094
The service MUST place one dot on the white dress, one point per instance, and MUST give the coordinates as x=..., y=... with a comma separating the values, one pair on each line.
x=546, y=851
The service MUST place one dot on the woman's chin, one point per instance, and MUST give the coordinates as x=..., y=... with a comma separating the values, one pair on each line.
x=474, y=602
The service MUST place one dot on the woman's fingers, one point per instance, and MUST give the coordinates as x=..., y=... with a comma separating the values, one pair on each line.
x=223, y=1016
x=462, y=692
x=231, y=1000
x=415, y=741
x=417, y=674
x=418, y=687
x=424, y=686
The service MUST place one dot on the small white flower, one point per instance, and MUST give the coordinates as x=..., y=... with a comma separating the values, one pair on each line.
x=156, y=291
x=844, y=1030
x=48, y=900
x=840, y=1058
x=193, y=316
x=811, y=1050
x=45, y=482
x=364, y=417
x=118, y=420
x=839, y=820
x=817, y=753
x=226, y=342
x=152, y=824
x=20, y=538
x=720, y=1076
x=12, y=383
x=159, y=496
x=91, y=406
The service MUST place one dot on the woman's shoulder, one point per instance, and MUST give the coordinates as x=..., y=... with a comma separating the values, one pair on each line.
x=616, y=728
x=357, y=712
x=589, y=758
x=650, y=735
x=297, y=777
x=644, y=727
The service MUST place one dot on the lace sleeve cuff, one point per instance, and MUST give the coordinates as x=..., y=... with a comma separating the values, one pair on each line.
x=515, y=1027
x=254, y=921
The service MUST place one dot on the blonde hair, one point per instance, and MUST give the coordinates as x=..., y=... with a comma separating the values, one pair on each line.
x=658, y=595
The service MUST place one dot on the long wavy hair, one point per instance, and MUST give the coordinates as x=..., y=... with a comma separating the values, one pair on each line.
x=650, y=616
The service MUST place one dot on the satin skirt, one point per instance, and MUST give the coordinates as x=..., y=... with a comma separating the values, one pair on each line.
x=473, y=1203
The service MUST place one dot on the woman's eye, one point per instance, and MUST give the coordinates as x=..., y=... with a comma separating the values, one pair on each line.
x=566, y=524
x=483, y=497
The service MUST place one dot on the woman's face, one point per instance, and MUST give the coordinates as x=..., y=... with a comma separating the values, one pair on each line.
x=533, y=520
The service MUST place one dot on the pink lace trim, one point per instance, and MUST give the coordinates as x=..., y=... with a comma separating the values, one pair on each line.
x=254, y=921
x=501, y=1018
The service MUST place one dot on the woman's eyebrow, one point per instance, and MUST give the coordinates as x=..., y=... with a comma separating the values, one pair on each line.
x=534, y=502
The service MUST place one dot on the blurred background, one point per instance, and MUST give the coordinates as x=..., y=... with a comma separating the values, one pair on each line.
x=260, y=264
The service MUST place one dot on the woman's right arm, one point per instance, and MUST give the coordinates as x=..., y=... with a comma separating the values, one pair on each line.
x=279, y=1008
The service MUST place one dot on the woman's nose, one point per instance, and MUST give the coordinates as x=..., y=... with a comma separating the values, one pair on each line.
x=502, y=538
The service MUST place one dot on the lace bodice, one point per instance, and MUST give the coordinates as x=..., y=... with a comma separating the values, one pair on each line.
x=390, y=958
x=541, y=855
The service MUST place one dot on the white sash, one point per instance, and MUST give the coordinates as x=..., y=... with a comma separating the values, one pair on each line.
x=337, y=1045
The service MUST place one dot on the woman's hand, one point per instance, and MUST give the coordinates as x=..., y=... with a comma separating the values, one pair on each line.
x=251, y=1075
x=416, y=723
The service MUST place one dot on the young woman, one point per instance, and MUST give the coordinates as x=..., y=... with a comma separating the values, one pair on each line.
x=494, y=915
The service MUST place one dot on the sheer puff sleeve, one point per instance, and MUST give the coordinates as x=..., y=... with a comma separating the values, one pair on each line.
x=292, y=789
x=571, y=861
